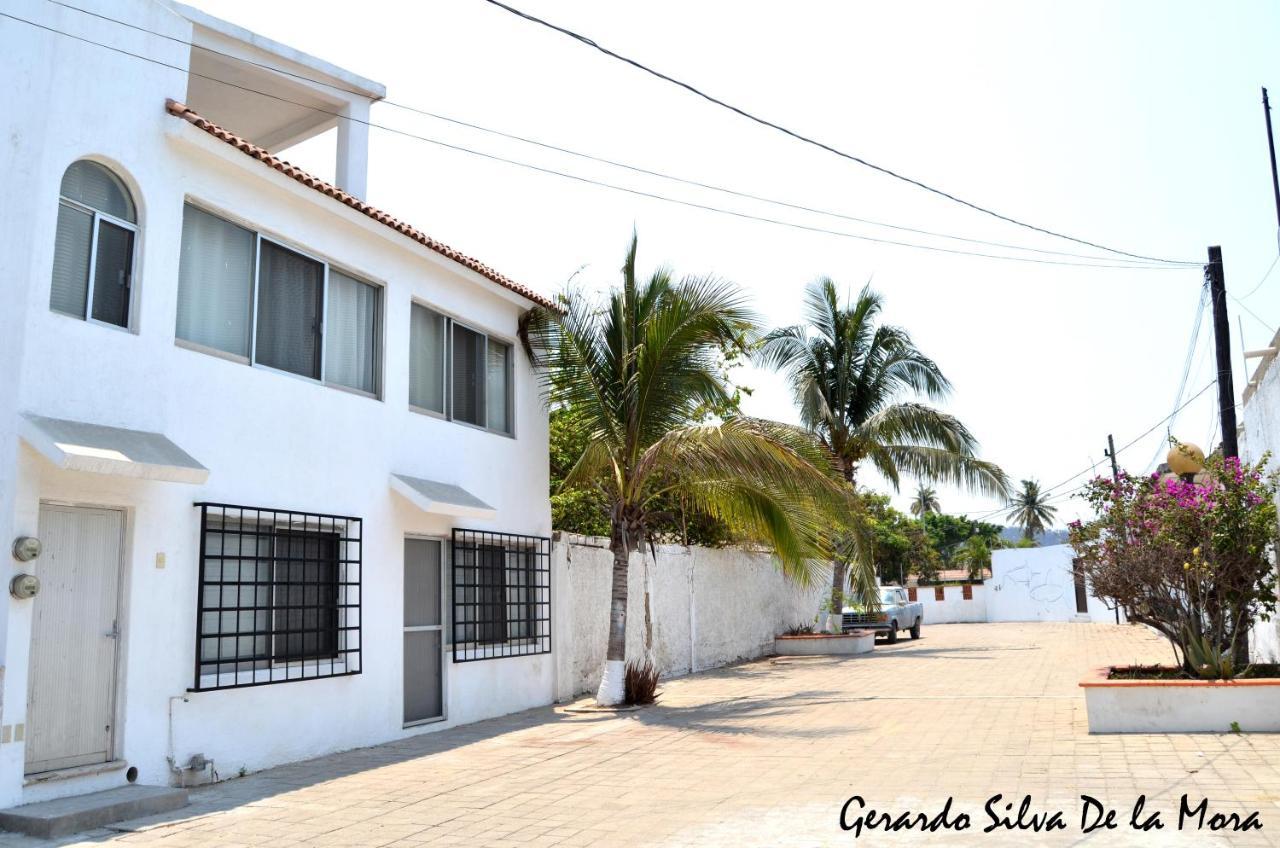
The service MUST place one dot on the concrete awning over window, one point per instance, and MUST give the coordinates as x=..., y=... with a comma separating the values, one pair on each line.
x=440, y=498
x=79, y=446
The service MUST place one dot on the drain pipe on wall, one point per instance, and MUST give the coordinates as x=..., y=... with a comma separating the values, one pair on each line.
x=197, y=763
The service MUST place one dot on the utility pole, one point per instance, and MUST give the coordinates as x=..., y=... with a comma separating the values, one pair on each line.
x=1216, y=280
x=1115, y=478
x=1271, y=149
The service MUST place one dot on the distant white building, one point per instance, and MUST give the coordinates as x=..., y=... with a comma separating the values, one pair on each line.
x=283, y=453
x=1042, y=584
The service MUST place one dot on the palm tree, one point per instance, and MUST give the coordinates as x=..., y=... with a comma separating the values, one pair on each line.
x=639, y=373
x=925, y=501
x=848, y=373
x=975, y=555
x=1030, y=510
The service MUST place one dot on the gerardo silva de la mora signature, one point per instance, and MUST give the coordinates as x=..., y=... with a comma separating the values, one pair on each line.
x=999, y=813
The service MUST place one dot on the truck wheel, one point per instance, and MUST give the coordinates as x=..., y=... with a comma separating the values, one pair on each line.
x=915, y=630
x=892, y=636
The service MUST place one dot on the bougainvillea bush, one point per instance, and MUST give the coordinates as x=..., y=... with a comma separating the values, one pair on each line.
x=1190, y=559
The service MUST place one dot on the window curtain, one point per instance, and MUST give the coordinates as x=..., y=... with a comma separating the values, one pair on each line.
x=96, y=187
x=237, y=596
x=468, y=376
x=351, y=329
x=492, y=625
x=464, y=596
x=70, y=288
x=215, y=283
x=496, y=388
x=289, y=311
x=426, y=359
x=521, y=609
x=305, y=596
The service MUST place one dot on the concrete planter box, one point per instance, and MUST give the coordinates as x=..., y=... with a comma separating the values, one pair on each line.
x=1181, y=706
x=825, y=644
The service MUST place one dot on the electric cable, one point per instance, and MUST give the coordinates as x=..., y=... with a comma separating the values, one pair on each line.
x=820, y=144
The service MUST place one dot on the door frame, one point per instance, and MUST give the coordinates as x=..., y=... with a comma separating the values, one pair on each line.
x=444, y=630
x=121, y=626
x=1080, y=586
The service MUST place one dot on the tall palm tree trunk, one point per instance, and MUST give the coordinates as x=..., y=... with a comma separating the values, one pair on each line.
x=839, y=568
x=838, y=576
x=623, y=540
x=611, y=689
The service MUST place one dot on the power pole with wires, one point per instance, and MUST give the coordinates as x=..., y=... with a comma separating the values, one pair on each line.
x=1111, y=453
x=1216, y=280
x=1271, y=150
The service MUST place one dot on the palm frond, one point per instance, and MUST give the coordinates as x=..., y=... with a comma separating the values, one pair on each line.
x=918, y=424
x=1029, y=509
x=768, y=482
x=594, y=467
x=945, y=466
x=848, y=372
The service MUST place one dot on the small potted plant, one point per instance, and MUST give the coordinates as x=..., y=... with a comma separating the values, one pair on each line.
x=831, y=614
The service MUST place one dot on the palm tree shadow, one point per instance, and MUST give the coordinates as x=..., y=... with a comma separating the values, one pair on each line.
x=748, y=715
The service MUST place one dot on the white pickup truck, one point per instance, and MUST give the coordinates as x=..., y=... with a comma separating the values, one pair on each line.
x=896, y=613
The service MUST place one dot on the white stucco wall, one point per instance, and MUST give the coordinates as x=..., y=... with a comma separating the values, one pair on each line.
x=1260, y=434
x=954, y=608
x=1037, y=584
x=708, y=607
x=269, y=439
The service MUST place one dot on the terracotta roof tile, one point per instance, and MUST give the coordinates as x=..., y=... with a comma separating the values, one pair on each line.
x=248, y=148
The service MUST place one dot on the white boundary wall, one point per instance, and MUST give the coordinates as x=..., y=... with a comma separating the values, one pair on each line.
x=954, y=608
x=1037, y=584
x=706, y=607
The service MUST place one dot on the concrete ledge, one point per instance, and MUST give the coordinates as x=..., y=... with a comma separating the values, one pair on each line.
x=1181, y=706
x=74, y=772
x=63, y=816
x=824, y=644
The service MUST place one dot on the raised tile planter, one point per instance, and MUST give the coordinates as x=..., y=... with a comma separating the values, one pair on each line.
x=1181, y=706
x=825, y=644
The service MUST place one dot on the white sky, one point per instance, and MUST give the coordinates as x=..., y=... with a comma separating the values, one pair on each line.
x=1135, y=124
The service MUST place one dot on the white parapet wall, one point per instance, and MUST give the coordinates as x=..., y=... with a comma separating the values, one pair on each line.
x=958, y=604
x=689, y=609
x=1181, y=706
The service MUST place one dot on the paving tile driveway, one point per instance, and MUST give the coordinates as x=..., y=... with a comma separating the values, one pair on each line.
x=766, y=753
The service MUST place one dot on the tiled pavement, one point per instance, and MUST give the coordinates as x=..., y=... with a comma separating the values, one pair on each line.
x=764, y=753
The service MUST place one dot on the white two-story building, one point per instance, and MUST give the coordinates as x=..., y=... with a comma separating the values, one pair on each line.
x=276, y=459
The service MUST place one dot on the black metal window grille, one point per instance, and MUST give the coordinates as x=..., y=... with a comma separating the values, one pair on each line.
x=501, y=595
x=279, y=596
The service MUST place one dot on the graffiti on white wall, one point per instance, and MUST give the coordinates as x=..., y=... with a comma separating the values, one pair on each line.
x=1031, y=584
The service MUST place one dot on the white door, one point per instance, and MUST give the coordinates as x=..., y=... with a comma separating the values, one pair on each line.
x=423, y=631
x=72, y=675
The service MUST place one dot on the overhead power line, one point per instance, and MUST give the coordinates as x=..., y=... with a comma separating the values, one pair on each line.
x=590, y=156
x=1088, y=468
x=820, y=144
x=1265, y=275
x=1191, y=350
x=1145, y=433
x=1240, y=303
x=586, y=180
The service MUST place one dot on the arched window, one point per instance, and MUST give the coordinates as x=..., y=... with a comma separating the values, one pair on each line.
x=93, y=254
